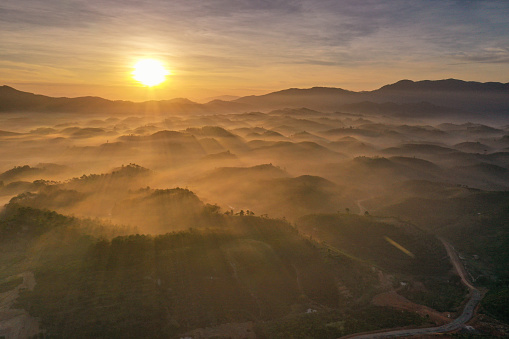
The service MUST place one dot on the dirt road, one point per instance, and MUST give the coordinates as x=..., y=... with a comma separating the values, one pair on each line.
x=467, y=314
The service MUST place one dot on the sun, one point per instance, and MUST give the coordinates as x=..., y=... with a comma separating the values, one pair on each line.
x=150, y=72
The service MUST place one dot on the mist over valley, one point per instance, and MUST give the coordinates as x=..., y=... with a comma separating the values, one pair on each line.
x=301, y=213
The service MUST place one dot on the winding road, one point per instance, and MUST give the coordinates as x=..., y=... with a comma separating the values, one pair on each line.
x=467, y=314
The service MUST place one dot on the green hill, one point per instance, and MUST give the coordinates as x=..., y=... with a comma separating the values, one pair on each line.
x=393, y=248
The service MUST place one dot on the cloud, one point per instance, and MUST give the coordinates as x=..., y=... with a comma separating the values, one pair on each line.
x=241, y=37
x=488, y=55
x=25, y=14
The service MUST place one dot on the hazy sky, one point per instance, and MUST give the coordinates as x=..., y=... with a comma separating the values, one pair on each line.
x=241, y=47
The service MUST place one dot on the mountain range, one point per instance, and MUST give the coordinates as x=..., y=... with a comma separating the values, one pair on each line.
x=426, y=98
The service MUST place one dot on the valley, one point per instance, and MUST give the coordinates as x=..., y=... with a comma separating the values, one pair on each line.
x=306, y=213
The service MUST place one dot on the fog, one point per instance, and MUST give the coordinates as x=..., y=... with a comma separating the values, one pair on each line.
x=282, y=163
x=300, y=213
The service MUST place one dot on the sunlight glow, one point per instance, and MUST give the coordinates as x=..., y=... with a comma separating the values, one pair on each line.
x=150, y=72
x=399, y=247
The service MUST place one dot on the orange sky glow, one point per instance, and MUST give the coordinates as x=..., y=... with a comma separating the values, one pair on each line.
x=246, y=47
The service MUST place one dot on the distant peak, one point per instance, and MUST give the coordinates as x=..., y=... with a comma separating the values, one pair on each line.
x=181, y=101
x=445, y=85
x=10, y=89
x=312, y=90
x=403, y=82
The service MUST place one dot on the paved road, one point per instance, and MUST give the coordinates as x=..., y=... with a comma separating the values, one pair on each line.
x=468, y=311
x=459, y=322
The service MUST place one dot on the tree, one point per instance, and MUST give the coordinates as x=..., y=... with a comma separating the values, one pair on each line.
x=212, y=208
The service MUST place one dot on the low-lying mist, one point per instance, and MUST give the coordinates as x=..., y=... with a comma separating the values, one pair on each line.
x=283, y=163
x=165, y=224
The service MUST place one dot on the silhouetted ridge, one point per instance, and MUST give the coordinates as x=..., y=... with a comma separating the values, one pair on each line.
x=446, y=85
x=8, y=89
x=181, y=101
x=421, y=97
x=313, y=90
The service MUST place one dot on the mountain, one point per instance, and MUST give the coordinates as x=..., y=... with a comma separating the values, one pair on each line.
x=13, y=100
x=482, y=98
x=222, y=98
x=446, y=85
x=438, y=97
x=319, y=98
x=426, y=98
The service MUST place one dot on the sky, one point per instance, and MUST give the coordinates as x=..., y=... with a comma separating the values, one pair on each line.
x=245, y=47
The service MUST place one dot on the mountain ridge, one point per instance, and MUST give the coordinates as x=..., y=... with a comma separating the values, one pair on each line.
x=446, y=84
x=452, y=94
